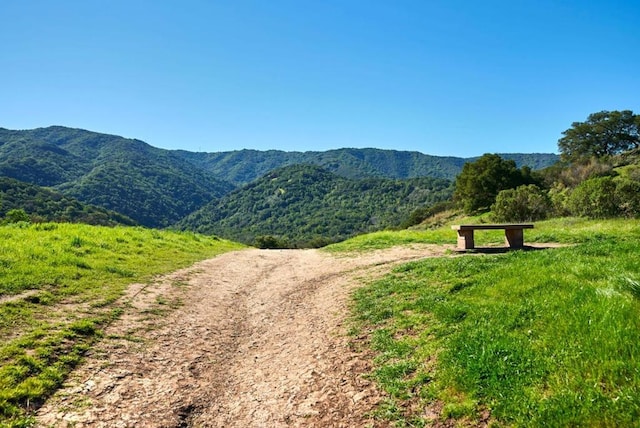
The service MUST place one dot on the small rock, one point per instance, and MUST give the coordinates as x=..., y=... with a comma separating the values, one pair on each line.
x=88, y=386
x=359, y=396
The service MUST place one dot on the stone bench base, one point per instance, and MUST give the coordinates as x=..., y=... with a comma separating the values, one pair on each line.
x=514, y=234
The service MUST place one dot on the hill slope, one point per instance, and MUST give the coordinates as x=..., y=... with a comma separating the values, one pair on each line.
x=152, y=186
x=47, y=205
x=303, y=203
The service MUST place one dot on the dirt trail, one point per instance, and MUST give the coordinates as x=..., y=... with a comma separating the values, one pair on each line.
x=257, y=341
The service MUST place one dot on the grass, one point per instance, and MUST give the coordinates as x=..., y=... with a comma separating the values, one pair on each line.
x=567, y=230
x=388, y=239
x=533, y=338
x=59, y=284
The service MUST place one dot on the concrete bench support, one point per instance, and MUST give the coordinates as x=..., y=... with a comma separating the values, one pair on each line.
x=465, y=239
x=514, y=238
x=514, y=234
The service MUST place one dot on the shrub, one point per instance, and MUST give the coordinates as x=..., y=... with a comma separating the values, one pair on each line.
x=628, y=197
x=16, y=216
x=316, y=242
x=524, y=203
x=270, y=242
x=575, y=174
x=559, y=195
x=594, y=198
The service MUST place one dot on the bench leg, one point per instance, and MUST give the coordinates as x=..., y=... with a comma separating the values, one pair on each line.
x=465, y=239
x=514, y=238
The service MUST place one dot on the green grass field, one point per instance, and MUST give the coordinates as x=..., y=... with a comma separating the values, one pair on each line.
x=58, y=287
x=525, y=338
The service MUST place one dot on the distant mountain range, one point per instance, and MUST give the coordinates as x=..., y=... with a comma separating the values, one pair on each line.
x=243, y=166
x=159, y=188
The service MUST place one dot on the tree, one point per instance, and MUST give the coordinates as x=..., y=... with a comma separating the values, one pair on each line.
x=480, y=182
x=604, y=133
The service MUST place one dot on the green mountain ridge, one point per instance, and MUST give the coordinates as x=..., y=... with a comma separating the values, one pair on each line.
x=150, y=185
x=243, y=166
x=158, y=188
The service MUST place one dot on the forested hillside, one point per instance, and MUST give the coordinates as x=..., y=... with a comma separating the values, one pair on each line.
x=243, y=166
x=152, y=186
x=42, y=204
x=304, y=205
x=157, y=188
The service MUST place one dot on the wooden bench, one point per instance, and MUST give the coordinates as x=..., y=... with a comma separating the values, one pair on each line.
x=514, y=235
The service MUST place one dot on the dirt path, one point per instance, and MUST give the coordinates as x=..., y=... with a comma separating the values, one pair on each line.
x=255, y=339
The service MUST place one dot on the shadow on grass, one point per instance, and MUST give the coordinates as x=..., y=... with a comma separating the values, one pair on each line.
x=502, y=250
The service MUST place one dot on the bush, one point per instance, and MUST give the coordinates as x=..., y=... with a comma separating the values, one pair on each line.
x=594, y=198
x=16, y=216
x=270, y=242
x=316, y=242
x=524, y=203
x=627, y=196
x=559, y=195
x=576, y=173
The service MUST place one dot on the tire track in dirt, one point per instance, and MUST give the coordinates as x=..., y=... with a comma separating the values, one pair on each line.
x=257, y=342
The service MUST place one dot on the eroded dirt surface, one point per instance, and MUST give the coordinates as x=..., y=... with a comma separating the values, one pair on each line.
x=254, y=338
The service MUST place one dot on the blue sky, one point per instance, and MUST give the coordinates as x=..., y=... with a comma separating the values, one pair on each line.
x=457, y=77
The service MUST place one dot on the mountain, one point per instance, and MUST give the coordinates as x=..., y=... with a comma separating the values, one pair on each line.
x=243, y=166
x=301, y=204
x=535, y=161
x=157, y=188
x=154, y=187
x=47, y=205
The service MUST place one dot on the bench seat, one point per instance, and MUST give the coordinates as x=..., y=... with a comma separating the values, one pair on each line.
x=514, y=233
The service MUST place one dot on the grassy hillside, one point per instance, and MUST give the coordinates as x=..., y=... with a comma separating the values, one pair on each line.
x=526, y=338
x=58, y=289
x=152, y=186
x=303, y=204
x=42, y=205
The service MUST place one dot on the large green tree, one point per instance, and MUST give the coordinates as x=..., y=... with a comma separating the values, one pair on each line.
x=603, y=134
x=480, y=182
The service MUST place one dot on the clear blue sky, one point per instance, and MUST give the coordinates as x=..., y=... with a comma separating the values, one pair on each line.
x=456, y=77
